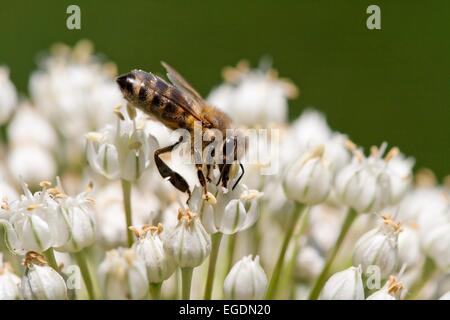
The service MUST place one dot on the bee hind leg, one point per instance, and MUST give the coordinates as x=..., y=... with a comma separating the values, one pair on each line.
x=167, y=173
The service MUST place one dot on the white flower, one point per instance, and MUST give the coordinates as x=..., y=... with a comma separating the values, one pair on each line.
x=379, y=247
x=436, y=244
x=324, y=223
x=8, y=95
x=78, y=217
x=32, y=223
x=253, y=98
x=229, y=212
x=246, y=280
x=399, y=169
x=41, y=282
x=9, y=282
x=309, y=180
x=75, y=91
x=309, y=263
x=149, y=247
x=409, y=249
x=188, y=243
x=344, y=285
x=391, y=291
x=32, y=163
x=425, y=207
x=122, y=151
x=38, y=130
x=309, y=131
x=365, y=183
x=122, y=275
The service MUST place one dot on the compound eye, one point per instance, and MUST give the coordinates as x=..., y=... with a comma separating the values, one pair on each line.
x=126, y=82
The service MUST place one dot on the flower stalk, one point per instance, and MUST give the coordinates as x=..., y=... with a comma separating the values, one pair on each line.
x=349, y=219
x=186, y=281
x=82, y=262
x=126, y=190
x=155, y=290
x=215, y=245
x=273, y=285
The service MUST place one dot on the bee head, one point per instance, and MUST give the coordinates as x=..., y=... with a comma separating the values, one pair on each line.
x=130, y=84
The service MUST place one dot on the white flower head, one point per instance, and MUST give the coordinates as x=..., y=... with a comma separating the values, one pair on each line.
x=246, y=280
x=254, y=97
x=40, y=281
x=75, y=90
x=122, y=151
x=32, y=222
x=344, y=285
x=122, y=275
x=188, y=243
x=149, y=247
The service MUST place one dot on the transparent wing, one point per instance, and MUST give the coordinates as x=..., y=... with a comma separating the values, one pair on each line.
x=181, y=83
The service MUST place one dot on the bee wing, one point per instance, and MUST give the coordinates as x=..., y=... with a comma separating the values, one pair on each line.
x=181, y=83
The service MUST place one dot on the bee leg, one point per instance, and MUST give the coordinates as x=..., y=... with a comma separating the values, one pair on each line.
x=224, y=175
x=208, y=173
x=200, y=174
x=175, y=178
x=240, y=177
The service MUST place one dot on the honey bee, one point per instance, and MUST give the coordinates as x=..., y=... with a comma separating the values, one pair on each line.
x=179, y=105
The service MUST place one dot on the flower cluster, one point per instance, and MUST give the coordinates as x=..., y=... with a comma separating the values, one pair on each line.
x=314, y=216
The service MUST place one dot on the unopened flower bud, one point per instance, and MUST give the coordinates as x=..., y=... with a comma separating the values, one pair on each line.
x=40, y=281
x=122, y=275
x=188, y=243
x=149, y=247
x=246, y=280
x=344, y=285
x=379, y=247
x=309, y=180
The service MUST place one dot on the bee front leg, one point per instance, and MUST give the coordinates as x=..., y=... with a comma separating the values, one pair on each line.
x=175, y=178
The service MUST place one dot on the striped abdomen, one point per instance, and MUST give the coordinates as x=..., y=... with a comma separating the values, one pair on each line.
x=157, y=98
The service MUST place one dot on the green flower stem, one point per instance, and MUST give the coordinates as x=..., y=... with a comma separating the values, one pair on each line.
x=215, y=245
x=126, y=190
x=428, y=271
x=49, y=255
x=349, y=219
x=231, y=245
x=155, y=290
x=287, y=285
x=186, y=280
x=86, y=273
x=273, y=285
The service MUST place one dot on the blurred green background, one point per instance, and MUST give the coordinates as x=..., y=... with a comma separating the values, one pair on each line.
x=383, y=85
